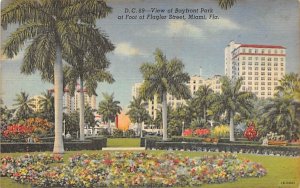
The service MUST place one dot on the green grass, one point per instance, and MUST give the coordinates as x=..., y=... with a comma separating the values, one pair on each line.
x=123, y=142
x=280, y=169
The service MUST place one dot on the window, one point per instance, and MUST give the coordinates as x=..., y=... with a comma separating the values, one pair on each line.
x=281, y=59
x=256, y=83
x=250, y=50
x=243, y=88
x=276, y=74
x=249, y=88
x=263, y=58
x=269, y=51
x=250, y=63
x=281, y=51
x=275, y=68
x=269, y=93
x=275, y=64
x=249, y=68
x=263, y=51
x=263, y=78
x=256, y=63
x=243, y=63
x=269, y=74
x=249, y=83
x=249, y=58
x=275, y=59
x=269, y=59
x=262, y=73
x=256, y=73
x=281, y=64
x=249, y=73
x=243, y=73
x=263, y=68
x=255, y=88
x=275, y=51
x=275, y=83
x=262, y=88
x=269, y=78
x=250, y=78
x=269, y=88
x=269, y=83
x=281, y=69
x=256, y=78
x=263, y=83
x=256, y=68
x=243, y=68
x=263, y=64
x=269, y=68
x=244, y=50
x=262, y=93
x=269, y=64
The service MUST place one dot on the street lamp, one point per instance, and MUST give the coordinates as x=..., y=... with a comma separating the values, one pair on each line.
x=64, y=122
x=182, y=128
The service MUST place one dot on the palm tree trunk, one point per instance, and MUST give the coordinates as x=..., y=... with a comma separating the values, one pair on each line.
x=81, y=110
x=204, y=114
x=164, y=116
x=58, y=101
x=231, y=126
x=109, y=128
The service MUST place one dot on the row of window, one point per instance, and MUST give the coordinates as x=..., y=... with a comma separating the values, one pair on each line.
x=256, y=88
x=263, y=58
x=262, y=64
x=262, y=83
x=262, y=51
x=262, y=73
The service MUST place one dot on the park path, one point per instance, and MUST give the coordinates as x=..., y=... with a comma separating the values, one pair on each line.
x=123, y=148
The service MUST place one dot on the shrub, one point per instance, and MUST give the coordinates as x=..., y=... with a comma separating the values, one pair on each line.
x=250, y=132
x=188, y=132
x=201, y=132
x=221, y=131
x=129, y=133
x=117, y=133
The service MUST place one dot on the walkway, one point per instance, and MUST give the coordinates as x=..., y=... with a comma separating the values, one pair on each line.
x=123, y=148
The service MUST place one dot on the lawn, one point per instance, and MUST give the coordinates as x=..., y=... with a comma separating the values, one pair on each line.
x=281, y=170
x=123, y=142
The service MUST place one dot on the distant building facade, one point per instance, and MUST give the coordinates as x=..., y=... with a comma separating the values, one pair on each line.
x=71, y=103
x=260, y=66
x=194, y=83
x=36, y=104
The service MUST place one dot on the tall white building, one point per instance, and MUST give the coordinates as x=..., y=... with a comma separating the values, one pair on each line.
x=35, y=101
x=260, y=66
x=193, y=85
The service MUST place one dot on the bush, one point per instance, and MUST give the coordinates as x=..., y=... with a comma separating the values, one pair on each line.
x=250, y=132
x=129, y=133
x=117, y=133
x=221, y=131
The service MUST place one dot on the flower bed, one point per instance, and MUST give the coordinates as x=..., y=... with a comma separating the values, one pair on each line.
x=128, y=169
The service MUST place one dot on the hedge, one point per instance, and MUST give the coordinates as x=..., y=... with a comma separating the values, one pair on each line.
x=224, y=147
x=89, y=144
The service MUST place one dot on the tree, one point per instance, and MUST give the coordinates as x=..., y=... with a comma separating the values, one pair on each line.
x=234, y=101
x=89, y=116
x=47, y=104
x=88, y=73
x=137, y=112
x=288, y=85
x=164, y=77
x=24, y=106
x=204, y=98
x=279, y=116
x=109, y=108
x=52, y=27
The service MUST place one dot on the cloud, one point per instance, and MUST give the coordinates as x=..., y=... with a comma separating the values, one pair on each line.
x=222, y=24
x=126, y=49
x=183, y=28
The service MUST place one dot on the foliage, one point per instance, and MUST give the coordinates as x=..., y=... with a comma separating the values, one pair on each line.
x=89, y=116
x=138, y=169
x=24, y=106
x=161, y=78
x=117, y=133
x=47, y=104
x=129, y=133
x=72, y=122
x=35, y=127
x=201, y=132
x=188, y=132
x=220, y=131
x=109, y=108
x=250, y=132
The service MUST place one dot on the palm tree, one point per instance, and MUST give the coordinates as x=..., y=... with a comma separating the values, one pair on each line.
x=234, y=101
x=24, y=106
x=89, y=116
x=47, y=103
x=137, y=112
x=204, y=98
x=164, y=77
x=279, y=115
x=88, y=73
x=109, y=108
x=289, y=85
x=52, y=27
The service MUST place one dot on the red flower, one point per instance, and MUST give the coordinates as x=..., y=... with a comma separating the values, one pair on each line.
x=201, y=132
x=187, y=132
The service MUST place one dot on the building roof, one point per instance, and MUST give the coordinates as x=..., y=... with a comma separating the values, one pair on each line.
x=261, y=46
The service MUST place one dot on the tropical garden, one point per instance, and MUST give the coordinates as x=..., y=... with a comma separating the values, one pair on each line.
x=72, y=53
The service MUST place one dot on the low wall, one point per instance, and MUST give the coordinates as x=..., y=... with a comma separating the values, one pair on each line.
x=92, y=144
x=222, y=147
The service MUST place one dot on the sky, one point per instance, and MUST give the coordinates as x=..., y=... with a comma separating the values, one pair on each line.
x=197, y=42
